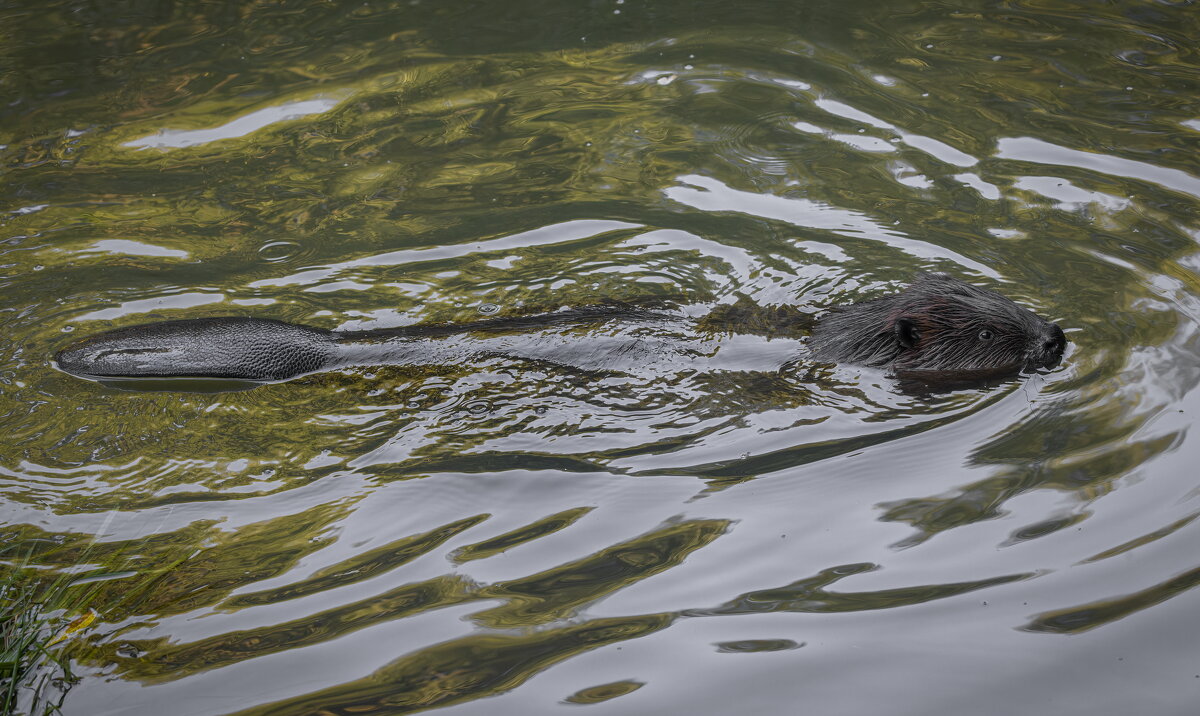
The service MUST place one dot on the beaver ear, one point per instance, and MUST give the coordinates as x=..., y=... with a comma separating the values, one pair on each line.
x=906, y=332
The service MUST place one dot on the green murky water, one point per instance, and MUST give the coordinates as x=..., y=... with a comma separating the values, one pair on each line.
x=512, y=538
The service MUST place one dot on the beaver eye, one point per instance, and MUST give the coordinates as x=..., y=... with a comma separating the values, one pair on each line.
x=985, y=335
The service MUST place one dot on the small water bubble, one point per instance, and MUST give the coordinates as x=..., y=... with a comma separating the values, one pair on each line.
x=479, y=407
x=541, y=410
x=488, y=309
x=277, y=251
x=128, y=651
x=616, y=12
x=39, y=267
x=929, y=46
x=413, y=404
x=688, y=67
x=996, y=58
x=924, y=94
x=68, y=329
x=587, y=144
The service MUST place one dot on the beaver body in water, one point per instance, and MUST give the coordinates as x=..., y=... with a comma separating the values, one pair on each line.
x=938, y=327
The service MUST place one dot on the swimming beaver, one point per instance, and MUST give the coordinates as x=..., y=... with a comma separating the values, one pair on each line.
x=938, y=327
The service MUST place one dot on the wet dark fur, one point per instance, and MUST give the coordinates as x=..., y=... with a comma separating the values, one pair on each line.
x=939, y=327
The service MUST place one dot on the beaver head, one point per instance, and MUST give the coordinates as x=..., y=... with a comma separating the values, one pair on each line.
x=939, y=328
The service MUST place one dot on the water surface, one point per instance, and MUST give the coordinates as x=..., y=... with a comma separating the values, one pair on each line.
x=511, y=538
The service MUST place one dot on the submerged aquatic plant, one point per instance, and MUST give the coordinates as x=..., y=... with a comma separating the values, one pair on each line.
x=33, y=620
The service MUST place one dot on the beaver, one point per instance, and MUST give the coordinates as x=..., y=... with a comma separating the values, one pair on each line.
x=938, y=327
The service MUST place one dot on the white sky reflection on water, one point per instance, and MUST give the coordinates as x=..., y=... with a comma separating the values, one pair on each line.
x=708, y=194
x=148, y=305
x=1028, y=149
x=937, y=149
x=1068, y=196
x=133, y=248
x=544, y=236
x=240, y=127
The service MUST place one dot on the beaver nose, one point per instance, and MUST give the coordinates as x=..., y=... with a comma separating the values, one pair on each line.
x=1054, y=341
x=1049, y=347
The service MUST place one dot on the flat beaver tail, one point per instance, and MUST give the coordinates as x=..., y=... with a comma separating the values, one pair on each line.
x=230, y=347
